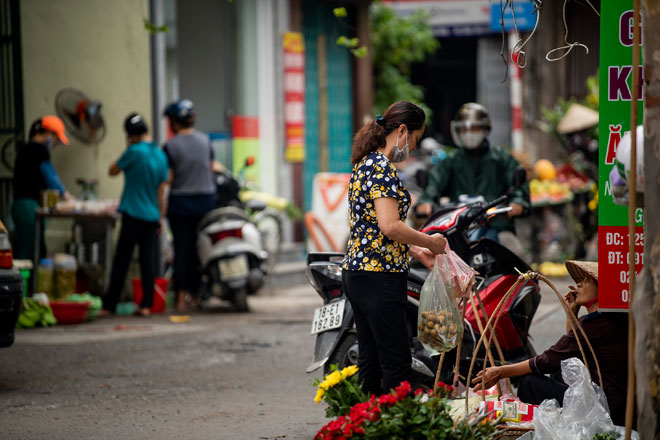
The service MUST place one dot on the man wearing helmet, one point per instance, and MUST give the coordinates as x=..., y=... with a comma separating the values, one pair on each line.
x=477, y=168
x=192, y=194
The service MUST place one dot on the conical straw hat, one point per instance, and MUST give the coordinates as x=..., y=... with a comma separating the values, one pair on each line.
x=579, y=270
x=577, y=118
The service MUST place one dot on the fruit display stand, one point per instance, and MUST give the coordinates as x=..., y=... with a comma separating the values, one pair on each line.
x=563, y=215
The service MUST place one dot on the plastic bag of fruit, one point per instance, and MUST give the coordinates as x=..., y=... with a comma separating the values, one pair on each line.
x=439, y=321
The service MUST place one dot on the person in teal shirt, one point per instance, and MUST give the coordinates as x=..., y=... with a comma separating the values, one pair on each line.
x=142, y=208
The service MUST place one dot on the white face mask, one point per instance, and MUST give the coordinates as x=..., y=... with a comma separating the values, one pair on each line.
x=472, y=139
x=467, y=134
x=400, y=154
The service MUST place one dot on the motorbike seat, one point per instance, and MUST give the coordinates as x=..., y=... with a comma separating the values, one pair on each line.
x=225, y=213
x=255, y=205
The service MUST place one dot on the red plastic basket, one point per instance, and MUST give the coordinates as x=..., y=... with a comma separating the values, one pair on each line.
x=69, y=312
x=160, y=294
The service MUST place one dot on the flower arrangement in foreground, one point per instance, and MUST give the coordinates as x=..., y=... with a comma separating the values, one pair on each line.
x=340, y=390
x=402, y=414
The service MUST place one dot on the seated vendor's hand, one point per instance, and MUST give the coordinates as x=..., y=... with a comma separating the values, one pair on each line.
x=571, y=299
x=437, y=243
x=516, y=210
x=487, y=380
x=67, y=196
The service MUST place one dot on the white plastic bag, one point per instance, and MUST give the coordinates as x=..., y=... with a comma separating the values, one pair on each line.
x=439, y=322
x=585, y=412
x=463, y=274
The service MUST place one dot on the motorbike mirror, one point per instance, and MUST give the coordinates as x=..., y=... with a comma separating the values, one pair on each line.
x=519, y=177
x=249, y=161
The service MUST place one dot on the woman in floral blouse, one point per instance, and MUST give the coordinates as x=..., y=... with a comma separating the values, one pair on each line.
x=376, y=264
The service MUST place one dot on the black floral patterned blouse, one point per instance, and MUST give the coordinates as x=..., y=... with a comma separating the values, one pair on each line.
x=368, y=248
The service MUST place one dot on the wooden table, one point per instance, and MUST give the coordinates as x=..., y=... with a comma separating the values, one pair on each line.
x=106, y=218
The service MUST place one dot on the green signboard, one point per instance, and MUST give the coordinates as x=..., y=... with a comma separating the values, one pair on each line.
x=616, y=73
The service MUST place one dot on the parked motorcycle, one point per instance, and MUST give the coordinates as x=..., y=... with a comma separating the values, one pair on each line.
x=230, y=246
x=334, y=326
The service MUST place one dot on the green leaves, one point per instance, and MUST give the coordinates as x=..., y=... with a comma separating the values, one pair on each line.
x=352, y=43
x=35, y=313
x=340, y=12
x=360, y=52
x=348, y=42
x=397, y=43
x=153, y=28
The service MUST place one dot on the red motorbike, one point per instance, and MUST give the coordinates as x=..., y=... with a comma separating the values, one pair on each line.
x=498, y=269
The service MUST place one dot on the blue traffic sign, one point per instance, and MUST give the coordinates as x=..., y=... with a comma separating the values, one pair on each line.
x=525, y=19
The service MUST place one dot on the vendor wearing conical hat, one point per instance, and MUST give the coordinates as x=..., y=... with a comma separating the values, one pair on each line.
x=608, y=334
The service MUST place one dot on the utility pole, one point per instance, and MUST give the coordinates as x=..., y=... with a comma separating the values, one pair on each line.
x=646, y=301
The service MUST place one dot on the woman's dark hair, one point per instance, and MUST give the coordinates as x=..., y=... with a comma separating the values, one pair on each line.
x=36, y=128
x=372, y=136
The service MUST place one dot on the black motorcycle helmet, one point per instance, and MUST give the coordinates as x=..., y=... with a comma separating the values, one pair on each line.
x=182, y=111
x=134, y=125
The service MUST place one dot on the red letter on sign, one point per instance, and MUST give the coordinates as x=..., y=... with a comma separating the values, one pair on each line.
x=613, y=142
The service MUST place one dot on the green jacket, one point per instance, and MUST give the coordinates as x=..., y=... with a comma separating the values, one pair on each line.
x=487, y=171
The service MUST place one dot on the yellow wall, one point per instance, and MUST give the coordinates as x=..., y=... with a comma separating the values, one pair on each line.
x=101, y=48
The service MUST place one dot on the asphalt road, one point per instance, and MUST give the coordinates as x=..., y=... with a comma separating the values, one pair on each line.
x=221, y=375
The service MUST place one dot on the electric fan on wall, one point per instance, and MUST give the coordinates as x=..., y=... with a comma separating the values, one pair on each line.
x=81, y=115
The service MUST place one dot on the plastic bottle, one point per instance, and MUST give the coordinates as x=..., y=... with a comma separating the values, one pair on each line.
x=45, y=281
x=65, y=275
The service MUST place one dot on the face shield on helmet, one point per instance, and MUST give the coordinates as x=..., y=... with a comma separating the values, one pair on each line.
x=470, y=126
x=468, y=134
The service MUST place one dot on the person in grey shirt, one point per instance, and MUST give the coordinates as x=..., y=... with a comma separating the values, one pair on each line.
x=192, y=195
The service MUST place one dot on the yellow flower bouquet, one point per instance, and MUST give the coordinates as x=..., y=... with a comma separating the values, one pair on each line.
x=340, y=390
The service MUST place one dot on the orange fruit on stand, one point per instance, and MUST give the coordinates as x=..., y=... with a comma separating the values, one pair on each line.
x=545, y=170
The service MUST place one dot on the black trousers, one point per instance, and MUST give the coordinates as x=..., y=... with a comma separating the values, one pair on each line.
x=187, y=274
x=145, y=235
x=378, y=300
x=534, y=388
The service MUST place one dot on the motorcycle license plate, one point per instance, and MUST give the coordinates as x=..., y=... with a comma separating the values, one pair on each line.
x=231, y=268
x=328, y=317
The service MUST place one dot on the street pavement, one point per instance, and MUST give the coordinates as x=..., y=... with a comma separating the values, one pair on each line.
x=222, y=375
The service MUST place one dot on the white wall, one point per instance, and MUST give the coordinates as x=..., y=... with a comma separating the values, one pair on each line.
x=101, y=48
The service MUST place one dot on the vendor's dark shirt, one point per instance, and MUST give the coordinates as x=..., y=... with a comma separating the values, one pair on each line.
x=28, y=179
x=608, y=335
